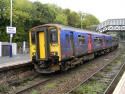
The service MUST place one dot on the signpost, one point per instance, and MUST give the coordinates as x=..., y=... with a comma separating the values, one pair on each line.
x=11, y=30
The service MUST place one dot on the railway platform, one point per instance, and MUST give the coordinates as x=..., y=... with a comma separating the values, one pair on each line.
x=15, y=60
x=120, y=88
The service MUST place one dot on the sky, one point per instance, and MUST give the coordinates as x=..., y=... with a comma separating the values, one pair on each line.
x=102, y=9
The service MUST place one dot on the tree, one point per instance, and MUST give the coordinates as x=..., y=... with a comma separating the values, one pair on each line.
x=60, y=16
x=27, y=14
x=21, y=14
x=73, y=18
x=42, y=14
x=88, y=20
x=4, y=19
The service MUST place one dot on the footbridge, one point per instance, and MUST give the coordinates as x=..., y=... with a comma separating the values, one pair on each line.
x=111, y=25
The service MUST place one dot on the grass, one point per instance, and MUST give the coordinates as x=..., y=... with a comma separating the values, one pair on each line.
x=50, y=86
x=99, y=75
x=27, y=79
x=92, y=87
x=4, y=88
x=34, y=92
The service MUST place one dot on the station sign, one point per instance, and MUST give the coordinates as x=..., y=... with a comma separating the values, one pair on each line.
x=11, y=30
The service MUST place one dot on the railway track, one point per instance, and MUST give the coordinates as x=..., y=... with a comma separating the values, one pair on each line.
x=41, y=82
x=16, y=72
x=109, y=88
x=115, y=81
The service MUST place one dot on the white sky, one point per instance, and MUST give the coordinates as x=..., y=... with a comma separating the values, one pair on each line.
x=102, y=9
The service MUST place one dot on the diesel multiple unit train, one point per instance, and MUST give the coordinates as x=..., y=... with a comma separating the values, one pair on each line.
x=56, y=47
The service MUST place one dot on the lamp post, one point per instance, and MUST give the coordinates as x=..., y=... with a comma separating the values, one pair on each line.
x=11, y=13
x=11, y=35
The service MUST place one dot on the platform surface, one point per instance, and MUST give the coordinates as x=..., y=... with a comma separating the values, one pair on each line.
x=15, y=60
x=120, y=88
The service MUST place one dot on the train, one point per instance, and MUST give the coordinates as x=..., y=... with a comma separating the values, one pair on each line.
x=55, y=47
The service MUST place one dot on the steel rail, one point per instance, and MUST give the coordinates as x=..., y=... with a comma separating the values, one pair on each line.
x=32, y=86
x=115, y=81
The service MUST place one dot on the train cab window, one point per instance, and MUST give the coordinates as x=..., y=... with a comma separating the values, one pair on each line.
x=81, y=40
x=53, y=35
x=33, y=37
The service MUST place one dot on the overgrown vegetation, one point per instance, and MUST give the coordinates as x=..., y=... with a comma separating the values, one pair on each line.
x=27, y=14
x=4, y=88
x=50, y=86
x=34, y=92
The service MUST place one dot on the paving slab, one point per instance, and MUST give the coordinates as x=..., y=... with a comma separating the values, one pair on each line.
x=120, y=88
x=15, y=60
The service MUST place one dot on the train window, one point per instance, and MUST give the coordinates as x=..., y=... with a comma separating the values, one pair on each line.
x=98, y=41
x=108, y=41
x=81, y=40
x=67, y=40
x=33, y=37
x=114, y=39
x=53, y=35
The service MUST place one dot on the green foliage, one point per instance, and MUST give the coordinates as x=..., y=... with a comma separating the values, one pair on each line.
x=60, y=16
x=35, y=92
x=73, y=18
x=3, y=88
x=89, y=20
x=50, y=86
x=92, y=87
x=27, y=14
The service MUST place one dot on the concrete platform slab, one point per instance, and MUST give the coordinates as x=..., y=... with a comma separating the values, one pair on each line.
x=120, y=88
x=15, y=60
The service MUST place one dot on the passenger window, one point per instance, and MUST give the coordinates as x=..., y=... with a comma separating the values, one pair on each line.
x=98, y=41
x=67, y=40
x=53, y=35
x=108, y=41
x=33, y=37
x=81, y=39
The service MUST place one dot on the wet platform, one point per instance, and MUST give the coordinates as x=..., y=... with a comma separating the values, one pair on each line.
x=15, y=60
x=120, y=88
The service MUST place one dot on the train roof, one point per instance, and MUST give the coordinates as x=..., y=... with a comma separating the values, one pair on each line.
x=63, y=27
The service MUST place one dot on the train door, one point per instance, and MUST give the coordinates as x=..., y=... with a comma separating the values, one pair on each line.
x=72, y=43
x=40, y=45
x=42, y=48
x=90, y=43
